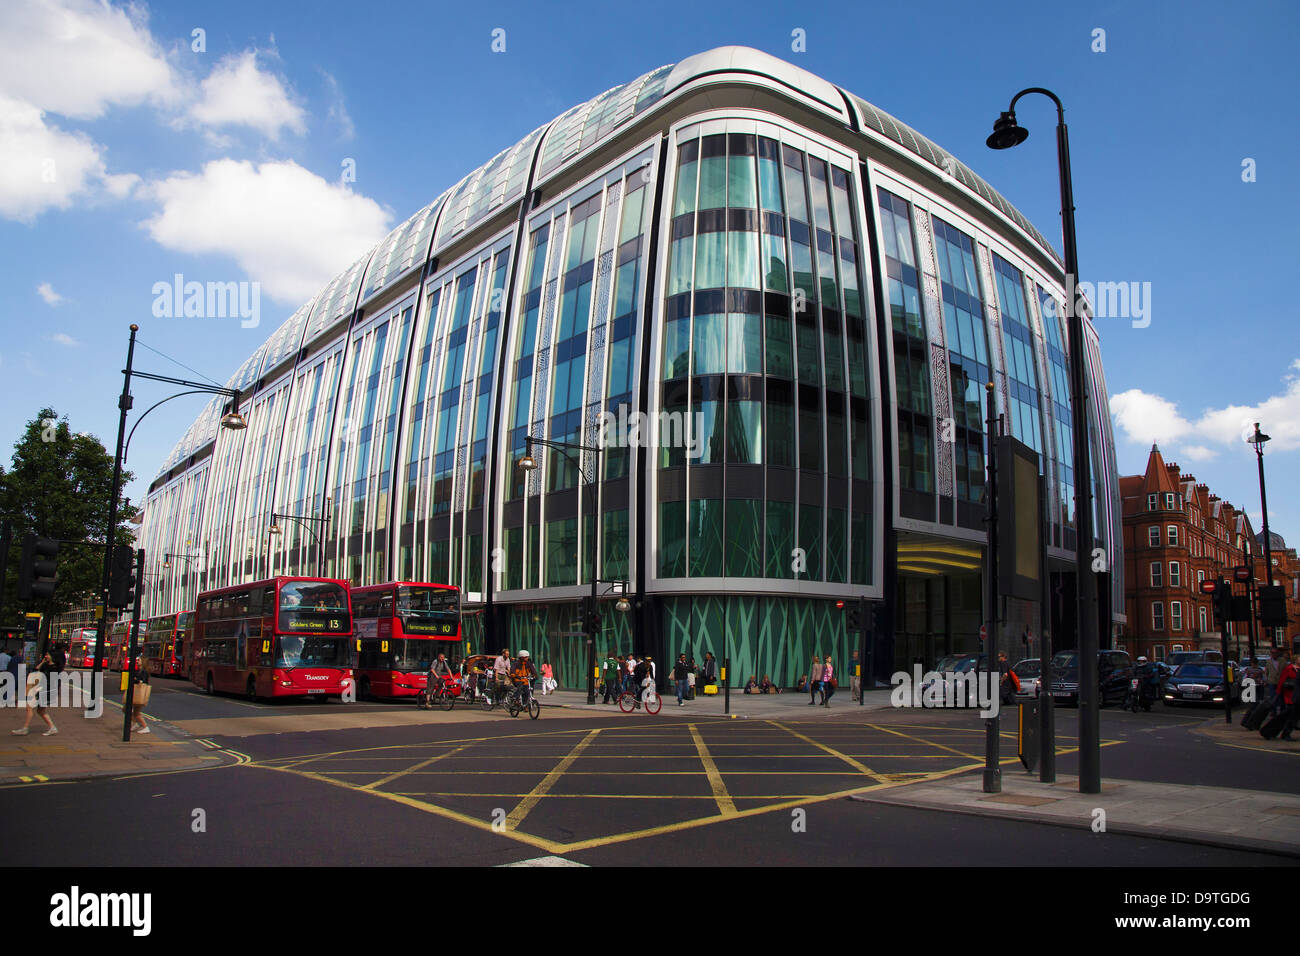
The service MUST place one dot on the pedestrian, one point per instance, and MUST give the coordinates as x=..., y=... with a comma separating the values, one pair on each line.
x=828, y=682
x=630, y=672
x=142, y=692
x=613, y=672
x=855, y=676
x=691, y=671
x=548, y=678
x=815, y=681
x=501, y=674
x=38, y=685
x=1283, y=719
x=60, y=658
x=681, y=674
x=710, y=669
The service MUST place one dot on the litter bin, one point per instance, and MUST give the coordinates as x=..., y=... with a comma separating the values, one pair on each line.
x=1028, y=741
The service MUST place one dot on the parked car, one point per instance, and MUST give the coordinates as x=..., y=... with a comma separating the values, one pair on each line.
x=1114, y=671
x=1030, y=672
x=955, y=664
x=1198, y=682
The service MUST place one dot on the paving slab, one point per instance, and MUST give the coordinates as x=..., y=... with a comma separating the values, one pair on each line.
x=1214, y=816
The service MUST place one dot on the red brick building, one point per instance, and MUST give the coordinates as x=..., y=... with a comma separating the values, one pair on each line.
x=1177, y=534
x=1286, y=573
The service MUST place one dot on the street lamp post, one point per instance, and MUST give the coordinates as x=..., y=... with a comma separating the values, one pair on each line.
x=528, y=463
x=1006, y=133
x=1258, y=440
x=307, y=521
x=231, y=420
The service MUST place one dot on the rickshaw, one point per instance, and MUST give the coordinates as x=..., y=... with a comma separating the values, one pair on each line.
x=464, y=686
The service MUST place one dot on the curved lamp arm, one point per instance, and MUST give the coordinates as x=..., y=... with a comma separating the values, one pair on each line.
x=127, y=448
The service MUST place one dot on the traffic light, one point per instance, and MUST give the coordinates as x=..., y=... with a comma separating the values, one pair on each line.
x=856, y=616
x=1272, y=605
x=1220, y=592
x=590, y=617
x=121, y=578
x=37, y=574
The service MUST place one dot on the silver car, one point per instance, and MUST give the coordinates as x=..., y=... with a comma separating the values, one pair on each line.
x=1030, y=672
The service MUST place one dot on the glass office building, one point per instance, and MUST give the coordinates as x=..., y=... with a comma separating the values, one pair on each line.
x=773, y=306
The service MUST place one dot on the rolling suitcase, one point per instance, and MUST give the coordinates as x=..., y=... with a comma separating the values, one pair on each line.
x=1274, y=725
x=1256, y=715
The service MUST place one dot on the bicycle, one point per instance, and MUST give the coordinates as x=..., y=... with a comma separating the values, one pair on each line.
x=629, y=701
x=515, y=703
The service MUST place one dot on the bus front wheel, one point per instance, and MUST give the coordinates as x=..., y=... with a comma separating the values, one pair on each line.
x=252, y=689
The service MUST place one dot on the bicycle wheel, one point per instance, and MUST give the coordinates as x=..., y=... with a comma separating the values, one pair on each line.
x=422, y=700
x=446, y=699
x=488, y=702
x=626, y=702
x=534, y=709
x=513, y=703
x=652, y=704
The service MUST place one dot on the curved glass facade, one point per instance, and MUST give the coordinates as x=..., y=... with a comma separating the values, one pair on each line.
x=778, y=336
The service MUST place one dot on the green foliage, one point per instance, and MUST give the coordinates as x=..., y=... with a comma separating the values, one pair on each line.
x=57, y=486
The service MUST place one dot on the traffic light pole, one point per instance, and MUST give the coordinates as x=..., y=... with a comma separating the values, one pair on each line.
x=124, y=406
x=133, y=647
x=992, y=725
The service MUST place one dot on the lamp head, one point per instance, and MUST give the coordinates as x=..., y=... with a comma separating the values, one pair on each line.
x=1006, y=133
x=622, y=605
x=232, y=419
x=1258, y=438
x=528, y=463
x=274, y=529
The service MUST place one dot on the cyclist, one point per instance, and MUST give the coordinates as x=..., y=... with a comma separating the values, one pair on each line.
x=501, y=675
x=523, y=675
x=439, y=673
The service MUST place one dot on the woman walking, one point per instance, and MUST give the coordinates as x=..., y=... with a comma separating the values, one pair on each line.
x=815, y=680
x=43, y=680
x=142, y=692
x=828, y=682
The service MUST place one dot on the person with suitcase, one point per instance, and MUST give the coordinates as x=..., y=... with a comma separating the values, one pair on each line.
x=1284, y=719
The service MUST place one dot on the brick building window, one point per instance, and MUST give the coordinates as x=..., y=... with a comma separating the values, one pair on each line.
x=1176, y=615
x=1155, y=574
x=1158, y=652
x=1153, y=534
x=1201, y=611
x=1173, y=535
x=1151, y=501
x=1175, y=575
x=1157, y=616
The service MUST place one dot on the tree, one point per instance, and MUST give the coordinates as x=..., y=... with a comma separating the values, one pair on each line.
x=57, y=486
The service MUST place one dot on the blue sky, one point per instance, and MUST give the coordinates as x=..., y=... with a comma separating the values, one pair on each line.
x=126, y=156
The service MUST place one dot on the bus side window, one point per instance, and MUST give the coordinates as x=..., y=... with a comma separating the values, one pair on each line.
x=386, y=604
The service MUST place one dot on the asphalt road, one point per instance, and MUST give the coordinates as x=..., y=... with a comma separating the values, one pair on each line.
x=472, y=789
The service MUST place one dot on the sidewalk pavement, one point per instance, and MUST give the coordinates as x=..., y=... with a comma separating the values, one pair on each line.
x=1213, y=816
x=791, y=705
x=93, y=747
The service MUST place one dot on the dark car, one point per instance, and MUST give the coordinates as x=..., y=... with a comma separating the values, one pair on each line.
x=1179, y=658
x=1114, y=671
x=1198, y=682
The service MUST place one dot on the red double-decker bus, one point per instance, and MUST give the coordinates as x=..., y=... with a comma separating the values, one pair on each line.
x=285, y=637
x=81, y=648
x=163, y=643
x=119, y=644
x=401, y=628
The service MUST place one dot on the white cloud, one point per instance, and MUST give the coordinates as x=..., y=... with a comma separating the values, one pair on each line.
x=338, y=110
x=46, y=292
x=63, y=339
x=1146, y=418
x=288, y=228
x=41, y=166
x=238, y=93
x=77, y=57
